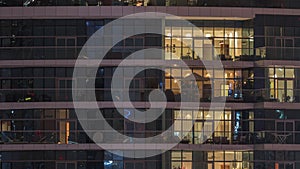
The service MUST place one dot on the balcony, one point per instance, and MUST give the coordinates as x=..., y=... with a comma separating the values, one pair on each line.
x=79, y=137
x=263, y=95
x=141, y=95
x=279, y=53
x=209, y=3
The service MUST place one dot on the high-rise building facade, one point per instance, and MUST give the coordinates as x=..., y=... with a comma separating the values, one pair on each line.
x=257, y=42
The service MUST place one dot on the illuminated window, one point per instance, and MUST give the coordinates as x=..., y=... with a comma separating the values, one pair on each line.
x=281, y=84
x=181, y=160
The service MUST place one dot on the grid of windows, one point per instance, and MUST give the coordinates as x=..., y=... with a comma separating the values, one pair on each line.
x=63, y=39
x=60, y=126
x=211, y=83
x=55, y=84
x=211, y=159
x=209, y=42
x=209, y=126
x=278, y=84
x=277, y=39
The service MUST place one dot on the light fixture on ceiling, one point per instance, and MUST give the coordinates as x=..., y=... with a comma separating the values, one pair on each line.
x=208, y=35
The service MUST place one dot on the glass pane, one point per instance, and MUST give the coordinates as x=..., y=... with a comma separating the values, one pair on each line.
x=129, y=166
x=290, y=91
x=187, y=124
x=281, y=166
x=187, y=31
x=289, y=73
x=198, y=115
x=279, y=72
x=280, y=84
x=198, y=126
x=177, y=115
x=220, y=165
x=176, y=73
x=186, y=72
x=71, y=166
x=176, y=155
x=219, y=32
x=289, y=43
x=60, y=166
x=197, y=32
x=289, y=126
x=290, y=95
x=231, y=156
x=272, y=89
x=60, y=42
x=187, y=114
x=168, y=48
x=280, y=90
x=176, y=165
x=290, y=84
x=176, y=48
x=198, y=48
x=221, y=73
x=210, y=156
x=271, y=72
x=280, y=126
x=187, y=165
x=176, y=31
x=70, y=42
x=168, y=31
x=208, y=32
x=139, y=166
x=187, y=156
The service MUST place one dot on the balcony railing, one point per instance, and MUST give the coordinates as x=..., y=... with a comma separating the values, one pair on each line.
x=279, y=53
x=213, y=3
x=72, y=52
x=80, y=137
x=105, y=94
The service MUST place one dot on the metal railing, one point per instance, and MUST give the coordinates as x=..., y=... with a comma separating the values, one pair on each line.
x=80, y=137
x=106, y=94
x=209, y=3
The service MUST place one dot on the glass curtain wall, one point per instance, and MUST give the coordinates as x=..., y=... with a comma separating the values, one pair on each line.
x=215, y=85
x=215, y=127
x=282, y=84
x=211, y=159
x=208, y=43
